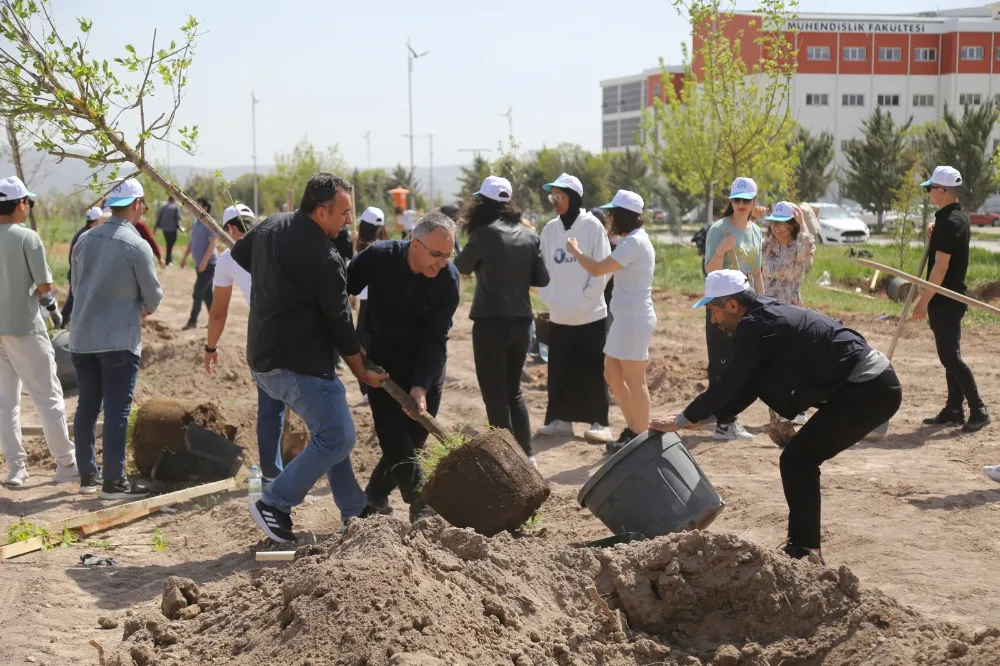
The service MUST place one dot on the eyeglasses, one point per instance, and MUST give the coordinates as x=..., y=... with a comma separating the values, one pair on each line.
x=145, y=206
x=556, y=198
x=436, y=255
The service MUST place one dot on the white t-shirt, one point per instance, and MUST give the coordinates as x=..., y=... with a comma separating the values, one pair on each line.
x=406, y=220
x=228, y=271
x=633, y=288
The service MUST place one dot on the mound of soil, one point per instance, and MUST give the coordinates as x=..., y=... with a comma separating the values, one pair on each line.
x=672, y=378
x=385, y=593
x=487, y=484
x=162, y=422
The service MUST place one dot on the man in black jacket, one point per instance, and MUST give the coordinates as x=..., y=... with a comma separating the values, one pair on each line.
x=793, y=359
x=299, y=314
x=947, y=264
x=412, y=295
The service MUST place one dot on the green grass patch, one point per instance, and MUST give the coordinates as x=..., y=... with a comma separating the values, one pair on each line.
x=434, y=452
x=159, y=542
x=24, y=531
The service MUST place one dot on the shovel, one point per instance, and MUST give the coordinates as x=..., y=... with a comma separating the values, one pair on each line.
x=882, y=430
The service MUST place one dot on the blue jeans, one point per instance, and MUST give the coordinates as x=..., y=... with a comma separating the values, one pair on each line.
x=270, y=423
x=106, y=378
x=322, y=404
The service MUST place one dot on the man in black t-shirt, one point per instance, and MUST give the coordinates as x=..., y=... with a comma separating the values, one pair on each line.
x=947, y=263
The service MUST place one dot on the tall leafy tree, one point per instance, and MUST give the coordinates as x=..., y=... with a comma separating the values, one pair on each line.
x=964, y=143
x=472, y=176
x=813, y=175
x=877, y=164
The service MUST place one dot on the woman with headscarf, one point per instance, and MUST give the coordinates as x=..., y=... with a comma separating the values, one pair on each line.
x=627, y=347
x=577, y=314
x=371, y=229
x=504, y=255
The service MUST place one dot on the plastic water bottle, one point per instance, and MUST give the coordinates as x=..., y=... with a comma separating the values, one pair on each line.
x=255, y=485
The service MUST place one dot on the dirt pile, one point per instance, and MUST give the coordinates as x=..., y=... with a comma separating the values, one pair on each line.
x=672, y=378
x=388, y=594
x=161, y=423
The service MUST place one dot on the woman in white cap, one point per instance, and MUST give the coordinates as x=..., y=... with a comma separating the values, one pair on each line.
x=633, y=316
x=787, y=253
x=505, y=256
x=577, y=314
x=733, y=243
x=371, y=229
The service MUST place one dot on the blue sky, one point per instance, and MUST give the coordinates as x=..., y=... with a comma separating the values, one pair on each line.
x=332, y=71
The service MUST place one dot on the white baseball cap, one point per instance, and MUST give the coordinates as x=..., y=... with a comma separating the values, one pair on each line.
x=566, y=182
x=126, y=192
x=945, y=176
x=722, y=283
x=373, y=216
x=12, y=189
x=783, y=211
x=233, y=212
x=496, y=188
x=743, y=188
x=627, y=200
x=94, y=214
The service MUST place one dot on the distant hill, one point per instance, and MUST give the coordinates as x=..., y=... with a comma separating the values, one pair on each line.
x=72, y=175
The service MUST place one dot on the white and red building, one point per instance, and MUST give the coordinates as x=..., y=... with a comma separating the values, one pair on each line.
x=911, y=65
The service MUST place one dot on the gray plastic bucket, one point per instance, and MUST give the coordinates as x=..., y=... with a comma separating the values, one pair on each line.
x=65, y=370
x=652, y=486
x=897, y=289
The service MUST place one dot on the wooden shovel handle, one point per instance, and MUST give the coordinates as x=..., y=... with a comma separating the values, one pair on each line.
x=910, y=295
x=407, y=403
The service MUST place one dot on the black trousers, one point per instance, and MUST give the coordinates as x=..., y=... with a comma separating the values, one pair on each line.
x=720, y=352
x=400, y=439
x=945, y=317
x=67, y=308
x=500, y=347
x=202, y=292
x=577, y=392
x=359, y=326
x=840, y=423
x=170, y=237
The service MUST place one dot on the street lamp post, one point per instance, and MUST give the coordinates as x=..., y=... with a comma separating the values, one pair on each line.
x=253, y=125
x=411, y=55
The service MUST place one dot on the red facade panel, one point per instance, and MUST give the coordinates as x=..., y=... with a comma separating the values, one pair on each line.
x=924, y=67
x=856, y=40
x=978, y=42
x=891, y=46
x=654, y=88
x=948, y=55
x=817, y=39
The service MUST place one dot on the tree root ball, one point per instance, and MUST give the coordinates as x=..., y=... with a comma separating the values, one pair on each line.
x=161, y=423
x=488, y=484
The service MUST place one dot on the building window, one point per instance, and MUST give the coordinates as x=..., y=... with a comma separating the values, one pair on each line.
x=610, y=134
x=656, y=91
x=888, y=100
x=856, y=53
x=923, y=100
x=972, y=53
x=818, y=53
x=888, y=54
x=925, y=55
x=970, y=99
x=610, y=99
x=853, y=100
x=629, y=132
x=818, y=99
x=631, y=99
x=845, y=144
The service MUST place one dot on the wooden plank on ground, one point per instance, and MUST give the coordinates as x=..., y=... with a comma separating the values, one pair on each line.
x=21, y=547
x=36, y=430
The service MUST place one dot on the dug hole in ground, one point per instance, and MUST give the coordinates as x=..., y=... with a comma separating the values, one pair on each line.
x=910, y=515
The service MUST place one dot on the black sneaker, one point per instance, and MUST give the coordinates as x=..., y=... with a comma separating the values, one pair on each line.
x=420, y=510
x=978, y=419
x=946, y=417
x=367, y=512
x=123, y=488
x=91, y=483
x=611, y=448
x=190, y=326
x=800, y=553
x=277, y=524
x=380, y=506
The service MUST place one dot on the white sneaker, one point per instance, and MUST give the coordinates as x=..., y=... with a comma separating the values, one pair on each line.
x=992, y=471
x=534, y=463
x=67, y=473
x=17, y=476
x=555, y=428
x=732, y=431
x=599, y=433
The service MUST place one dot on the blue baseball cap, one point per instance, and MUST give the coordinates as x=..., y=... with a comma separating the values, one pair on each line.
x=743, y=188
x=126, y=192
x=783, y=212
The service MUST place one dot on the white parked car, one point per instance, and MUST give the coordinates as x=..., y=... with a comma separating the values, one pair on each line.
x=837, y=226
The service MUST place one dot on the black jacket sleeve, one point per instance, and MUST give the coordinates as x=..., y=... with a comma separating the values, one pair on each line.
x=753, y=344
x=329, y=282
x=242, y=251
x=433, y=347
x=344, y=245
x=539, y=271
x=469, y=257
x=359, y=272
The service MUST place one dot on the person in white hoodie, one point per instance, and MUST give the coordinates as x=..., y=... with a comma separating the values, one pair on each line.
x=577, y=313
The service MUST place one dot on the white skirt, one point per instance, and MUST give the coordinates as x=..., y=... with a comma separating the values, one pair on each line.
x=628, y=339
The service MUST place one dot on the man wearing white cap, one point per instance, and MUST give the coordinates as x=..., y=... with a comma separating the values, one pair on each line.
x=733, y=242
x=371, y=229
x=947, y=264
x=633, y=316
x=506, y=259
x=236, y=221
x=26, y=355
x=115, y=287
x=577, y=314
x=94, y=217
x=852, y=386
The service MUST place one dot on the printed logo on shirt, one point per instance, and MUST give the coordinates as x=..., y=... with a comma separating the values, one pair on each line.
x=562, y=257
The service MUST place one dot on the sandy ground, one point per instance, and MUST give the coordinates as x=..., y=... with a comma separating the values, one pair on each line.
x=911, y=514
